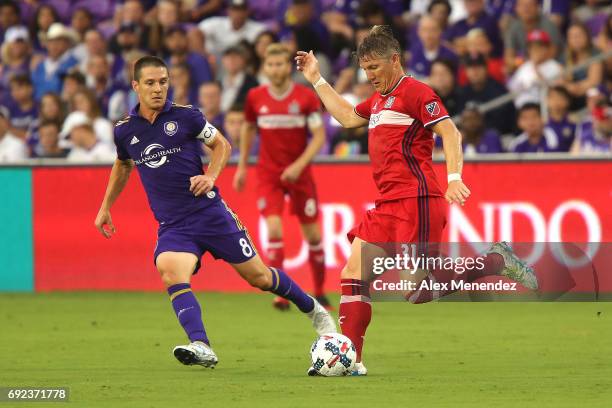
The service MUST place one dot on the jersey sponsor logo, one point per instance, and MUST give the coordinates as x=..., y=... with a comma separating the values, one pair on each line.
x=134, y=140
x=171, y=128
x=433, y=108
x=389, y=117
x=294, y=107
x=154, y=155
x=281, y=121
x=389, y=102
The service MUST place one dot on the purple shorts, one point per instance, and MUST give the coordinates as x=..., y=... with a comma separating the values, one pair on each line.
x=215, y=229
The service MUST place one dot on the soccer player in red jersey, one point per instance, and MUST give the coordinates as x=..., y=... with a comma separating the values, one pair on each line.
x=401, y=116
x=284, y=112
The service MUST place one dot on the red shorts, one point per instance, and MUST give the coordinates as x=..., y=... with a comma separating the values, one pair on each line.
x=302, y=196
x=414, y=220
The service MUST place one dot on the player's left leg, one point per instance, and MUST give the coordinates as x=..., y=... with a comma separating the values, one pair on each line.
x=316, y=259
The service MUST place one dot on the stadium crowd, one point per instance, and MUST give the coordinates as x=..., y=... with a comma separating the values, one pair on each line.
x=65, y=68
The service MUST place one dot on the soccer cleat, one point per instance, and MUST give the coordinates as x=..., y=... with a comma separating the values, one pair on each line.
x=281, y=304
x=321, y=319
x=324, y=301
x=196, y=353
x=359, y=370
x=514, y=268
x=312, y=372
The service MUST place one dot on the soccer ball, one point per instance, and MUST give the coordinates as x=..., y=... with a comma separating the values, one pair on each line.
x=333, y=355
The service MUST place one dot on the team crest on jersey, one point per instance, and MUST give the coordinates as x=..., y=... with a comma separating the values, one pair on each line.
x=389, y=102
x=171, y=128
x=433, y=108
x=294, y=107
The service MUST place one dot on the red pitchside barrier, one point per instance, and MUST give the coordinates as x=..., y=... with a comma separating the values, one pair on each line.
x=528, y=201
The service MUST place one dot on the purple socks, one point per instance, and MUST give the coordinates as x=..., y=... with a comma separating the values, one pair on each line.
x=188, y=311
x=284, y=286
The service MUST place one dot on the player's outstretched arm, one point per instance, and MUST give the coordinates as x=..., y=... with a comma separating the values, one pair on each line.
x=339, y=107
x=119, y=177
x=247, y=135
x=456, y=192
x=220, y=150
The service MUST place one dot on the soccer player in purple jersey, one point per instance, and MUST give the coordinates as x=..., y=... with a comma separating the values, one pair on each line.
x=164, y=141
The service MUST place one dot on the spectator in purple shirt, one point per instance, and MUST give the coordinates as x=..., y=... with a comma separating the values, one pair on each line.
x=16, y=57
x=536, y=138
x=477, y=138
x=132, y=15
x=477, y=18
x=428, y=48
x=22, y=107
x=558, y=101
x=81, y=21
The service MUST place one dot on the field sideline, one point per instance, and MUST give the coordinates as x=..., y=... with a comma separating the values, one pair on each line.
x=114, y=349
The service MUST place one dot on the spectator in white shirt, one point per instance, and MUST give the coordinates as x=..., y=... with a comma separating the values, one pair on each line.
x=12, y=148
x=532, y=78
x=87, y=147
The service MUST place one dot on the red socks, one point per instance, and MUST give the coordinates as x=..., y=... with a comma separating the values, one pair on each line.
x=316, y=259
x=276, y=253
x=355, y=311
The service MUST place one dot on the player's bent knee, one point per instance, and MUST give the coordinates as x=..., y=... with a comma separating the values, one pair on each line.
x=261, y=280
x=350, y=272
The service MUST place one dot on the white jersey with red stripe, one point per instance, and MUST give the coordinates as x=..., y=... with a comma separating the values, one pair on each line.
x=282, y=123
x=400, y=140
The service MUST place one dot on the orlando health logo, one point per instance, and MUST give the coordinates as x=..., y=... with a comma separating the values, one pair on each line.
x=154, y=155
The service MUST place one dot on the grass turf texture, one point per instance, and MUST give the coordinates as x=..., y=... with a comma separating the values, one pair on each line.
x=114, y=349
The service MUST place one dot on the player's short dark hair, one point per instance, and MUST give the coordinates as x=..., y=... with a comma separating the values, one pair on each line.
x=147, y=61
x=380, y=43
x=561, y=90
x=530, y=106
x=21, y=79
x=50, y=122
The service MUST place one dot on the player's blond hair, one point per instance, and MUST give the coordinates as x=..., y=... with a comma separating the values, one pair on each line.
x=379, y=43
x=277, y=49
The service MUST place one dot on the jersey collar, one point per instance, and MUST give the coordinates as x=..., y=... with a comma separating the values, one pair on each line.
x=167, y=106
x=395, y=86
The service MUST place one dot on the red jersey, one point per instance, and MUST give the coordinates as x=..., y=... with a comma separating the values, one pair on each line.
x=282, y=122
x=400, y=142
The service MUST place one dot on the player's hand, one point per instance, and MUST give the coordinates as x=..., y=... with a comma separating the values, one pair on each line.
x=308, y=64
x=239, y=179
x=103, y=219
x=457, y=192
x=201, y=184
x=291, y=173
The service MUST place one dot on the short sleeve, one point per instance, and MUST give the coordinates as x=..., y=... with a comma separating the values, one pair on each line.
x=122, y=153
x=364, y=108
x=249, y=108
x=429, y=108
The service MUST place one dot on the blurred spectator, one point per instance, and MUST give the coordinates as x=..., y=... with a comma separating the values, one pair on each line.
x=482, y=88
x=536, y=138
x=594, y=14
x=579, y=50
x=604, y=38
x=100, y=81
x=209, y=98
x=203, y=9
x=530, y=80
x=477, y=18
x=222, y=33
x=419, y=8
x=12, y=148
x=350, y=75
x=16, y=54
x=48, y=144
x=428, y=47
x=180, y=85
x=476, y=43
x=262, y=41
x=440, y=10
x=529, y=19
x=594, y=134
x=232, y=123
x=127, y=40
x=477, y=138
x=558, y=102
x=81, y=21
x=10, y=15
x=302, y=19
x=375, y=12
x=47, y=75
x=167, y=16
x=94, y=44
x=74, y=81
x=45, y=16
x=84, y=101
x=22, y=107
x=87, y=148
x=131, y=15
x=124, y=98
x=178, y=49
x=235, y=82
x=442, y=80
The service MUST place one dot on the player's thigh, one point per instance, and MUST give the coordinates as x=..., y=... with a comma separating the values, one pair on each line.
x=255, y=272
x=275, y=226
x=312, y=232
x=271, y=197
x=360, y=261
x=304, y=201
x=176, y=267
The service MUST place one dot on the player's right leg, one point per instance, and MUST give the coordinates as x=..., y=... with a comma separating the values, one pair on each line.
x=276, y=252
x=278, y=282
x=176, y=269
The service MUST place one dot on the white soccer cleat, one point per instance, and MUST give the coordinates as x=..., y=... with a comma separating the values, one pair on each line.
x=514, y=268
x=360, y=369
x=322, y=322
x=196, y=353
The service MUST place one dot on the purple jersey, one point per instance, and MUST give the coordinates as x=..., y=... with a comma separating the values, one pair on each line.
x=485, y=22
x=167, y=153
x=420, y=63
x=591, y=141
x=548, y=142
x=565, y=131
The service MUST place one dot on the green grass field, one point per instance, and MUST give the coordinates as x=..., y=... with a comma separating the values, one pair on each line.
x=114, y=349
